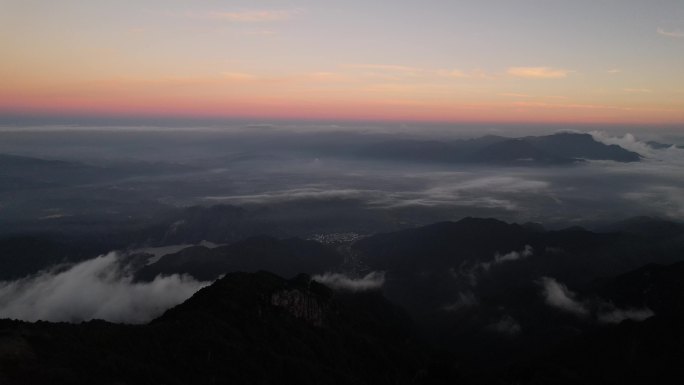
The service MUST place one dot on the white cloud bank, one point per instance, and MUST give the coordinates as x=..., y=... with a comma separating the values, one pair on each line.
x=559, y=296
x=371, y=281
x=100, y=288
x=528, y=251
x=671, y=154
x=615, y=316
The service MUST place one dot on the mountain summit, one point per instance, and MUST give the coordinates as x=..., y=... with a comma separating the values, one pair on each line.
x=246, y=328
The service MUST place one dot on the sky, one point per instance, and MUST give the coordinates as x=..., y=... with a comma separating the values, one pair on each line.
x=507, y=61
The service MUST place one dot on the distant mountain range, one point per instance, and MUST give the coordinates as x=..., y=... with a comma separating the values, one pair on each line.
x=26, y=172
x=661, y=146
x=562, y=148
x=433, y=266
x=287, y=257
x=369, y=297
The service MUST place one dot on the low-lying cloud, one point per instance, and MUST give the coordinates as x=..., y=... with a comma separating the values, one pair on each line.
x=528, y=251
x=297, y=194
x=100, y=288
x=471, y=272
x=615, y=316
x=669, y=153
x=506, y=325
x=559, y=296
x=371, y=281
x=560, y=194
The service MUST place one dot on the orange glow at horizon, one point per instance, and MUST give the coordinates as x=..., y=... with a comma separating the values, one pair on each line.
x=314, y=61
x=373, y=111
x=320, y=96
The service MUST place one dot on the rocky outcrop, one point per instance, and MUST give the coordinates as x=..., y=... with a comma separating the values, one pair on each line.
x=301, y=305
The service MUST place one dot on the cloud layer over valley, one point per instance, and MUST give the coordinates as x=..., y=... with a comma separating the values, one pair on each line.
x=100, y=288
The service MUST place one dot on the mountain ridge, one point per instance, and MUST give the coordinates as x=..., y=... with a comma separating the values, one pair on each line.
x=555, y=149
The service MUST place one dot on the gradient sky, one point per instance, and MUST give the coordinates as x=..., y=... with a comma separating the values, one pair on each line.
x=593, y=61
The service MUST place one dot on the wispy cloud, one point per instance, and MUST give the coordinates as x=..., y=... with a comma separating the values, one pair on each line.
x=637, y=90
x=538, y=72
x=384, y=67
x=674, y=33
x=303, y=193
x=509, y=257
x=399, y=72
x=371, y=281
x=559, y=296
x=471, y=272
x=499, y=259
x=252, y=16
x=615, y=316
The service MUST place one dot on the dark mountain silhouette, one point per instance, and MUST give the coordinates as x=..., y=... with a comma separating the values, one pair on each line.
x=8, y=161
x=518, y=150
x=243, y=329
x=258, y=327
x=287, y=257
x=218, y=223
x=575, y=254
x=582, y=146
x=646, y=226
x=561, y=148
x=440, y=244
x=658, y=287
x=29, y=172
x=21, y=256
x=495, y=320
x=414, y=150
x=474, y=288
x=662, y=146
x=462, y=280
x=630, y=352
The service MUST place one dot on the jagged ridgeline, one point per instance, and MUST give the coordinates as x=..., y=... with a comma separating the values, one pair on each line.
x=410, y=279
x=243, y=329
x=487, y=302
